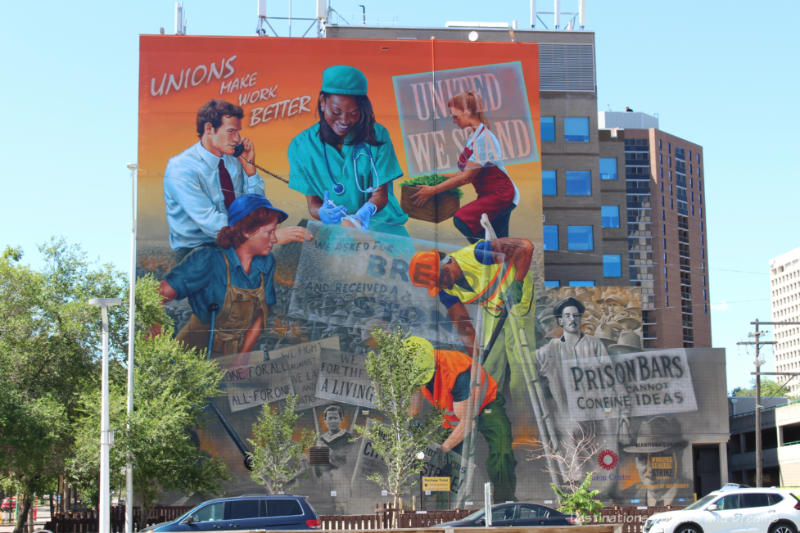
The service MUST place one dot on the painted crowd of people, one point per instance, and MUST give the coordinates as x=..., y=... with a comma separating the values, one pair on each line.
x=223, y=230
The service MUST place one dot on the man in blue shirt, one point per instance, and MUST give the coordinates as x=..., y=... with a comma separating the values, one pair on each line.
x=202, y=181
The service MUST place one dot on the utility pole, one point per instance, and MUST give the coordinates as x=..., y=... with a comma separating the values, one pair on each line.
x=757, y=360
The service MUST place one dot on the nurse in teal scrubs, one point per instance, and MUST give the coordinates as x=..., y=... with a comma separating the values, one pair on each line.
x=345, y=163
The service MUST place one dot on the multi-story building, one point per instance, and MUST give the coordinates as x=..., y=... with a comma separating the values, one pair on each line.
x=784, y=283
x=578, y=248
x=623, y=201
x=665, y=210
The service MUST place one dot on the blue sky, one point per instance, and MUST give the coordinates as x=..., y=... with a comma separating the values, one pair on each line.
x=718, y=73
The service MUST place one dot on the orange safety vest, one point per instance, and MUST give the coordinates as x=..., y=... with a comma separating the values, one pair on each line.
x=449, y=364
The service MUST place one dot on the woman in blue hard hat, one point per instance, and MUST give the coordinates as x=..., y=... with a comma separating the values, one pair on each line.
x=345, y=163
x=234, y=277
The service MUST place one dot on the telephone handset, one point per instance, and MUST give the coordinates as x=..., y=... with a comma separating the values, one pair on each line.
x=239, y=150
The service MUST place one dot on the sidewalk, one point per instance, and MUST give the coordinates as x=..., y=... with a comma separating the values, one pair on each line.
x=42, y=516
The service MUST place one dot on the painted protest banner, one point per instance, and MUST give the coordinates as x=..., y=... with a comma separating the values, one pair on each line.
x=304, y=360
x=251, y=381
x=360, y=281
x=343, y=378
x=422, y=100
x=637, y=384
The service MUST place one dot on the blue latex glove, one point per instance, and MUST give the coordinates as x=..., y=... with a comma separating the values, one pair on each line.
x=364, y=213
x=329, y=212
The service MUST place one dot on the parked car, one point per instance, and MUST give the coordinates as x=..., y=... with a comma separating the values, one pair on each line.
x=245, y=512
x=733, y=509
x=516, y=514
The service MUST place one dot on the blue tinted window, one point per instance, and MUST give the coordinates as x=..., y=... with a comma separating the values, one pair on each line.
x=580, y=238
x=549, y=187
x=612, y=265
x=609, y=216
x=579, y=183
x=581, y=283
x=550, y=237
x=608, y=168
x=552, y=283
x=548, y=128
x=576, y=129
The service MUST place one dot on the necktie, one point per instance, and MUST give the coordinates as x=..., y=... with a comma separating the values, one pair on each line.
x=226, y=184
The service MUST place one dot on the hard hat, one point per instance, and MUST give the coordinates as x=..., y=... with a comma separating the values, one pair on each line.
x=425, y=360
x=423, y=270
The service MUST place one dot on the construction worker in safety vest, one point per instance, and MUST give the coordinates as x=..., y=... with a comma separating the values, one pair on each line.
x=496, y=275
x=448, y=388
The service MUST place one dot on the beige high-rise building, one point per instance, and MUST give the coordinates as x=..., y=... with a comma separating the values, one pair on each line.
x=784, y=286
x=665, y=211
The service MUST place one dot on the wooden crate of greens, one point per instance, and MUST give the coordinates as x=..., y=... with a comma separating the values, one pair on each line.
x=438, y=208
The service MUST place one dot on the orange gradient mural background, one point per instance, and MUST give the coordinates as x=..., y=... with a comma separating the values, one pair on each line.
x=290, y=69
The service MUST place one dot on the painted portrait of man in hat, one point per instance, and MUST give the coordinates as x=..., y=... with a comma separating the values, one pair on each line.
x=657, y=452
x=572, y=345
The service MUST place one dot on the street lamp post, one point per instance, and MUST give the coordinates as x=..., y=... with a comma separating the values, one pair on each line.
x=131, y=334
x=105, y=432
x=420, y=457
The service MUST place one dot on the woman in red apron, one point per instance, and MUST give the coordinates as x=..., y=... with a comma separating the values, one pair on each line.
x=481, y=163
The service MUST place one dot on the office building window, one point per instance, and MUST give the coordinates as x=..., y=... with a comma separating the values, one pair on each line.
x=548, y=125
x=659, y=144
x=669, y=148
x=549, y=187
x=579, y=183
x=580, y=238
x=550, y=234
x=609, y=216
x=581, y=283
x=552, y=283
x=576, y=129
x=608, y=168
x=612, y=265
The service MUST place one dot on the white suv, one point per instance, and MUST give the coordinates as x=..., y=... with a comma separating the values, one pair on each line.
x=733, y=510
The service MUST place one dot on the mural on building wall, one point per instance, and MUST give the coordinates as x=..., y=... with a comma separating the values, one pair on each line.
x=295, y=194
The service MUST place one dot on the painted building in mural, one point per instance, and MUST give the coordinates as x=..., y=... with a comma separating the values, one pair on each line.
x=378, y=159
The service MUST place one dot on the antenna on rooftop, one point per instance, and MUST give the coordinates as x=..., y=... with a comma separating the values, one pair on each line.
x=579, y=16
x=319, y=20
x=180, y=19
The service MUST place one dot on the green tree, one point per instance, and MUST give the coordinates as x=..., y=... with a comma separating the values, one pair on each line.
x=172, y=385
x=399, y=436
x=277, y=457
x=768, y=388
x=49, y=338
x=580, y=501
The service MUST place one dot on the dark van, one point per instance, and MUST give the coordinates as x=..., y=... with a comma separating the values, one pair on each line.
x=245, y=512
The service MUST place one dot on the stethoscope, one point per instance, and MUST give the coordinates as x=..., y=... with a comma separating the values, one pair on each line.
x=358, y=151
